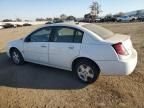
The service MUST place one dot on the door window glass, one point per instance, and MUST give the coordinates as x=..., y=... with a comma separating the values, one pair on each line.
x=41, y=35
x=68, y=35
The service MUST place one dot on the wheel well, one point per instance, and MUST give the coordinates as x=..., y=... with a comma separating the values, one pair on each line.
x=11, y=49
x=83, y=58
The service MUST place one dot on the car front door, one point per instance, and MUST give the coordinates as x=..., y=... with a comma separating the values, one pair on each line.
x=64, y=46
x=36, y=46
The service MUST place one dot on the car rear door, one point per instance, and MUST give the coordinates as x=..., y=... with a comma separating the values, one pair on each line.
x=36, y=46
x=64, y=46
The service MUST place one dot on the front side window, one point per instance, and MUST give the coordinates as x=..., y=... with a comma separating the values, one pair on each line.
x=41, y=35
x=67, y=35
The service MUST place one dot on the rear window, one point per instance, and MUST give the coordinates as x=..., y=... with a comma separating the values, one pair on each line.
x=102, y=32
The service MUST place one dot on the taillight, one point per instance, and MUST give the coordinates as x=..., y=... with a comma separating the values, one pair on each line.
x=120, y=49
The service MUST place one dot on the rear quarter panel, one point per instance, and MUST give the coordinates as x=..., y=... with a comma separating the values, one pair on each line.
x=98, y=52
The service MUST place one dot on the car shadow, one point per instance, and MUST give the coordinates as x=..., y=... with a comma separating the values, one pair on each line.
x=35, y=76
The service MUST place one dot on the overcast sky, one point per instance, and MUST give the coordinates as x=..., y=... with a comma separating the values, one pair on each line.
x=31, y=9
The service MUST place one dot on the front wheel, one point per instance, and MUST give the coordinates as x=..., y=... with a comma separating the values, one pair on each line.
x=87, y=71
x=16, y=57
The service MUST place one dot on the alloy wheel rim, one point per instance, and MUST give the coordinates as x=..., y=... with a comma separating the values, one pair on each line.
x=85, y=72
x=15, y=57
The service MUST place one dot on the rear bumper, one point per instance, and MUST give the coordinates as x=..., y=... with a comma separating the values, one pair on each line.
x=122, y=67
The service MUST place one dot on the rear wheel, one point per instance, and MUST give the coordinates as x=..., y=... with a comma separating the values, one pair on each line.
x=16, y=57
x=87, y=71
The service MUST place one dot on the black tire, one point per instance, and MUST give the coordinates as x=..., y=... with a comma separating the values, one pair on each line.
x=20, y=59
x=95, y=71
x=120, y=20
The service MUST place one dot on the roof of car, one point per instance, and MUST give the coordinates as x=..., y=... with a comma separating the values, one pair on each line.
x=67, y=24
x=79, y=26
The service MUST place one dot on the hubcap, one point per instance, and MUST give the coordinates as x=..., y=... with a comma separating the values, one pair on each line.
x=15, y=57
x=85, y=72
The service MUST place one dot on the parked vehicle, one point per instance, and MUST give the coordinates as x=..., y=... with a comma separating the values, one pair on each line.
x=19, y=25
x=86, y=49
x=97, y=20
x=134, y=18
x=49, y=22
x=27, y=24
x=87, y=20
x=9, y=25
x=123, y=18
x=141, y=18
x=108, y=19
x=126, y=18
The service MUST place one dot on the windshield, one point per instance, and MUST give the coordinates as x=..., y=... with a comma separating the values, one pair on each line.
x=102, y=32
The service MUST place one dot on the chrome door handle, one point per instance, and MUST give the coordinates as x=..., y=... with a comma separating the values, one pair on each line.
x=71, y=47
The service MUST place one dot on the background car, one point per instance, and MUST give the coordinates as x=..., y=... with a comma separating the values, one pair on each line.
x=19, y=25
x=49, y=22
x=9, y=25
x=108, y=19
x=124, y=19
x=141, y=18
x=27, y=24
x=133, y=18
x=86, y=49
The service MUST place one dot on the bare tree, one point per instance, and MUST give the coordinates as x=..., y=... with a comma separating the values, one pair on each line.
x=109, y=15
x=120, y=14
x=40, y=19
x=63, y=17
x=18, y=20
x=95, y=10
x=48, y=19
x=7, y=20
x=71, y=18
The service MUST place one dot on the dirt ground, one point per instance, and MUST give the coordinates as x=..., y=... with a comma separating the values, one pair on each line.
x=35, y=86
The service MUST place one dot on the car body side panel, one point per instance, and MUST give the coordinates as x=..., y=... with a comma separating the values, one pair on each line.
x=62, y=54
x=98, y=52
x=36, y=51
x=121, y=67
x=15, y=44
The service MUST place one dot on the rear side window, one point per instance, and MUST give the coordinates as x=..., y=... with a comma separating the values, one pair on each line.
x=78, y=37
x=67, y=35
x=102, y=32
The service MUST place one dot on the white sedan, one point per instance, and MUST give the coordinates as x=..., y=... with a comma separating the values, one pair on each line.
x=86, y=49
x=126, y=18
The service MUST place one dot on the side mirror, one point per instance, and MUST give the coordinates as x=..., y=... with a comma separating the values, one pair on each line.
x=27, y=40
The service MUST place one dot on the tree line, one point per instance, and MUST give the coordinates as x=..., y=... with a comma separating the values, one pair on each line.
x=62, y=17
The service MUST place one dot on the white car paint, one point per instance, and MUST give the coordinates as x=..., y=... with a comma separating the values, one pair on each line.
x=93, y=47
x=125, y=18
x=34, y=52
